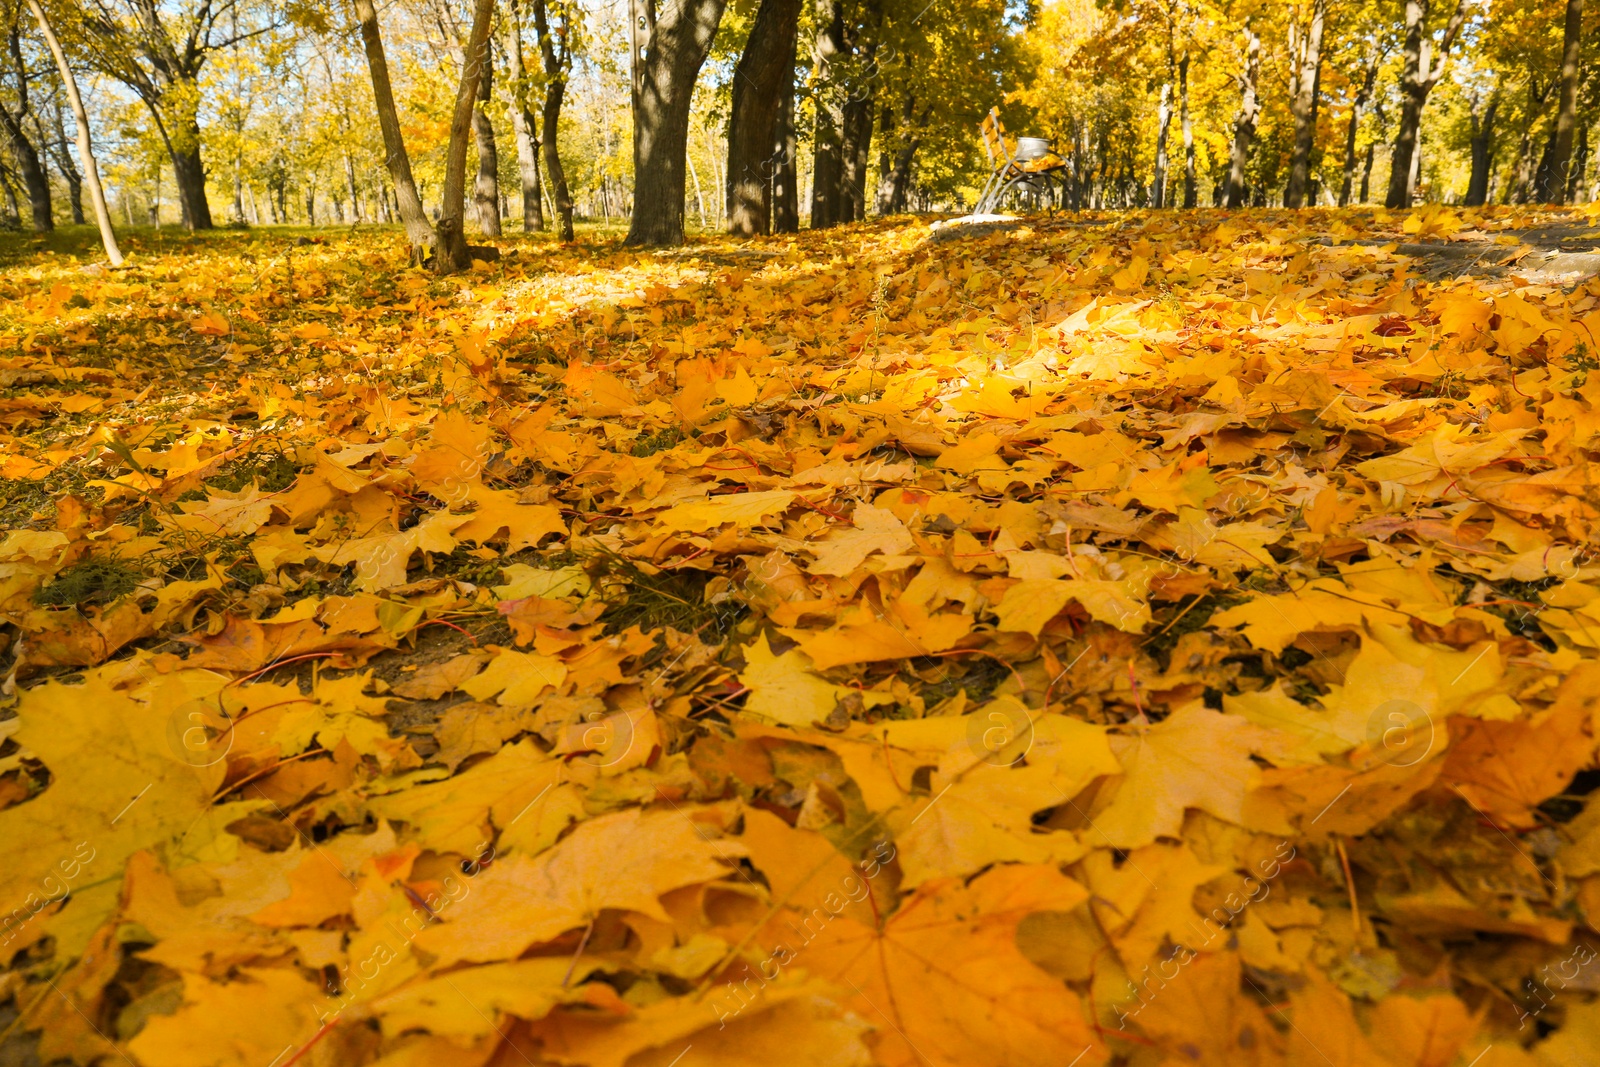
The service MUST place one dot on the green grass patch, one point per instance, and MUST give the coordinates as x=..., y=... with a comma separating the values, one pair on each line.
x=96, y=580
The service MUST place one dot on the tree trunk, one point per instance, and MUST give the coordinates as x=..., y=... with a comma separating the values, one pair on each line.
x=350, y=187
x=13, y=213
x=785, y=178
x=886, y=130
x=1580, y=164
x=75, y=195
x=1303, y=106
x=764, y=73
x=1521, y=184
x=1401, y=189
x=900, y=175
x=827, y=164
x=1482, y=147
x=1082, y=191
x=699, y=194
x=189, y=172
x=1420, y=74
x=452, y=253
x=1158, y=181
x=1416, y=163
x=418, y=230
x=560, y=196
x=1191, y=188
x=523, y=125
x=1101, y=183
x=1412, y=77
x=860, y=110
x=1374, y=59
x=34, y=178
x=1553, y=173
x=68, y=170
x=556, y=63
x=1244, y=122
x=1541, y=173
x=858, y=127
x=669, y=47
x=896, y=180
x=27, y=156
x=486, y=189
x=1347, y=185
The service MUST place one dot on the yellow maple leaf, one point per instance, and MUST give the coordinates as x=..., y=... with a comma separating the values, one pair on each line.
x=783, y=688
x=1031, y=603
x=1195, y=758
x=978, y=998
x=246, y=1020
x=626, y=861
x=518, y=677
x=876, y=530
x=742, y=509
x=1133, y=275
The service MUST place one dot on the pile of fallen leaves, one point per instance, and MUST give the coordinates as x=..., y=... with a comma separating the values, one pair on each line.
x=1141, y=638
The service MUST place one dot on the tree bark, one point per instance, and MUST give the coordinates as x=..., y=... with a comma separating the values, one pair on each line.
x=1524, y=176
x=68, y=170
x=560, y=196
x=1191, y=187
x=1482, y=147
x=1158, y=181
x=1412, y=78
x=761, y=77
x=1244, y=122
x=1303, y=106
x=1420, y=74
x=74, y=193
x=350, y=187
x=452, y=253
x=860, y=110
x=895, y=182
x=486, y=188
x=189, y=171
x=34, y=178
x=158, y=54
x=858, y=129
x=827, y=164
x=1580, y=164
x=669, y=47
x=860, y=121
x=557, y=61
x=1363, y=94
x=13, y=213
x=1553, y=175
x=699, y=194
x=1347, y=185
x=1082, y=191
x=418, y=230
x=786, y=179
x=91, y=173
x=1521, y=186
x=523, y=125
x=28, y=160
